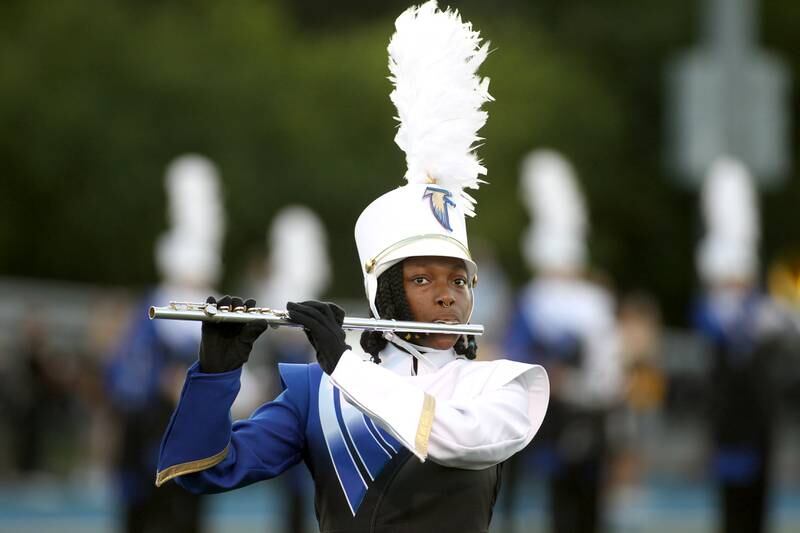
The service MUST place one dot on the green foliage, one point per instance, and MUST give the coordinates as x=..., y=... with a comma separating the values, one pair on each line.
x=96, y=97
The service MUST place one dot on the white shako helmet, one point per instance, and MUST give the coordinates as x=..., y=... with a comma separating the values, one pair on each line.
x=410, y=221
x=433, y=59
x=729, y=249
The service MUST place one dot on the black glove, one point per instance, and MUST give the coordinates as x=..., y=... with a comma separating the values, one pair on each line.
x=226, y=346
x=322, y=323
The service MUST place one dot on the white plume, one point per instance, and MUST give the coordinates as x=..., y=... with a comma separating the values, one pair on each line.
x=433, y=59
x=298, y=265
x=729, y=249
x=556, y=238
x=550, y=191
x=194, y=197
x=189, y=252
x=729, y=203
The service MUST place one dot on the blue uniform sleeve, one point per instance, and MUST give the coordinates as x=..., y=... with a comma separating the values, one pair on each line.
x=204, y=452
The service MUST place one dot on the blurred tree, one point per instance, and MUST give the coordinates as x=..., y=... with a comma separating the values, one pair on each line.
x=291, y=100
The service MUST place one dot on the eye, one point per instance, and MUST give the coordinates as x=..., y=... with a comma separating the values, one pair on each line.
x=460, y=282
x=419, y=280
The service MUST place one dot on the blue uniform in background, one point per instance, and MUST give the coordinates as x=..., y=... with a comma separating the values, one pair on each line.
x=135, y=381
x=742, y=403
x=567, y=325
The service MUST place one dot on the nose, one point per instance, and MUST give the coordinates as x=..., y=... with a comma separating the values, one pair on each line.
x=445, y=299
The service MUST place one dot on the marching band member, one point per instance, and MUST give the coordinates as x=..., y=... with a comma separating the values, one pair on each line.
x=143, y=378
x=408, y=433
x=298, y=267
x=741, y=326
x=566, y=322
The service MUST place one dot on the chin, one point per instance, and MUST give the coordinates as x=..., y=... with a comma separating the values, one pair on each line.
x=439, y=341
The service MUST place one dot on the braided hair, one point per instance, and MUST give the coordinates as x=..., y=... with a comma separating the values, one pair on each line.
x=391, y=301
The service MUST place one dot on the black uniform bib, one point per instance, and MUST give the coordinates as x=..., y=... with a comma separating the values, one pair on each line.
x=413, y=497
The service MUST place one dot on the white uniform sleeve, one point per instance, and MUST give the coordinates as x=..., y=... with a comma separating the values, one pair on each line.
x=486, y=429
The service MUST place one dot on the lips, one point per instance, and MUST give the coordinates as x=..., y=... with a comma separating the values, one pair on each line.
x=447, y=320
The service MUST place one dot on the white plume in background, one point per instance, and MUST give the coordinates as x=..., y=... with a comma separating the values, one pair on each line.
x=433, y=59
x=550, y=191
x=729, y=250
x=729, y=202
x=556, y=238
x=189, y=252
x=194, y=198
x=298, y=265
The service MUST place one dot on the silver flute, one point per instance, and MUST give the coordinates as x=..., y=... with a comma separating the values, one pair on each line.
x=278, y=317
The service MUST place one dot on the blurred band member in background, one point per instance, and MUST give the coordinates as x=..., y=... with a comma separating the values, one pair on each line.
x=298, y=268
x=740, y=324
x=637, y=426
x=33, y=396
x=407, y=433
x=145, y=373
x=566, y=322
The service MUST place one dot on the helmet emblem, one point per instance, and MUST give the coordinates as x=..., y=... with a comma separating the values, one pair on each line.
x=440, y=199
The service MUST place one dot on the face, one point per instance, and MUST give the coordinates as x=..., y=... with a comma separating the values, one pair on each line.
x=437, y=290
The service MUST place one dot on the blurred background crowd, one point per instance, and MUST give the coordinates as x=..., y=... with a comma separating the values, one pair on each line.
x=638, y=237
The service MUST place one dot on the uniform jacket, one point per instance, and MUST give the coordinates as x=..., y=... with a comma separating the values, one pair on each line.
x=390, y=449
